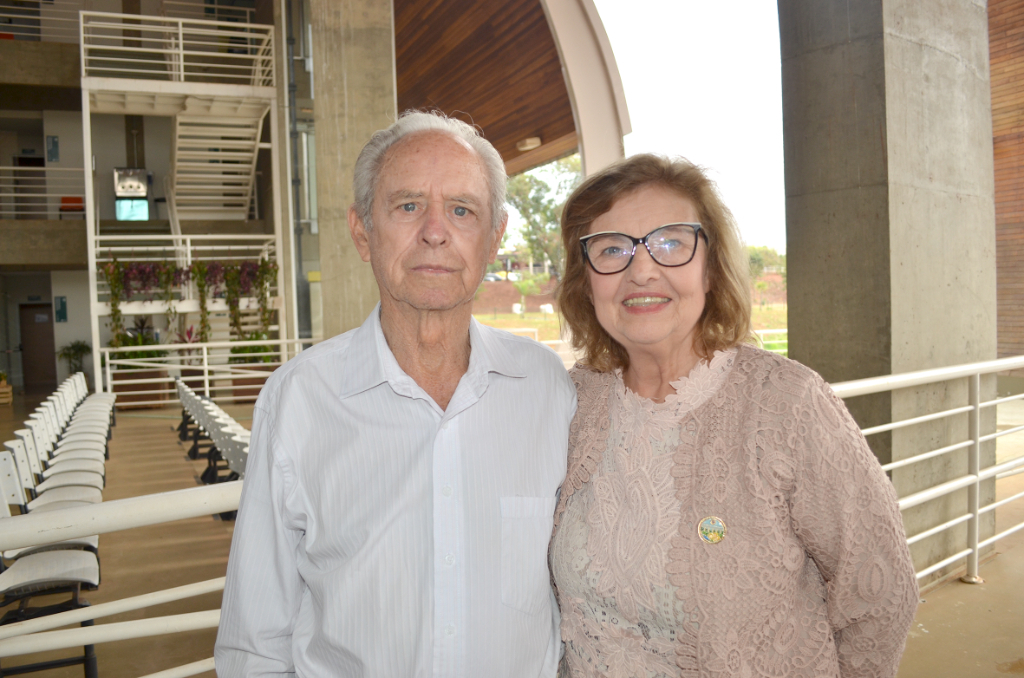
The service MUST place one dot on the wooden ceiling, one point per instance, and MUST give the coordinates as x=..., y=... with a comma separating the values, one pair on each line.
x=494, y=64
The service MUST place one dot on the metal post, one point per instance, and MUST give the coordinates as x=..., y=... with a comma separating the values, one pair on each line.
x=91, y=230
x=974, y=468
x=181, y=52
x=110, y=383
x=206, y=372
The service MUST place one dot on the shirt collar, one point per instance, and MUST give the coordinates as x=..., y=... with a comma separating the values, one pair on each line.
x=371, y=362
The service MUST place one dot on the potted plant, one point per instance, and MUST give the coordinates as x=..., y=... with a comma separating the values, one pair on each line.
x=73, y=355
x=6, y=392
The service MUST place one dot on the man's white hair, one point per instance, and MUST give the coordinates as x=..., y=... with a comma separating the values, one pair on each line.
x=371, y=160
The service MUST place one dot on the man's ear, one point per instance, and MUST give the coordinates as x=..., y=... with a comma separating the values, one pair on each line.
x=359, y=235
x=499, y=233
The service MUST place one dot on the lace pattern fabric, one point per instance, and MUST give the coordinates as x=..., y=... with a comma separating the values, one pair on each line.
x=813, y=577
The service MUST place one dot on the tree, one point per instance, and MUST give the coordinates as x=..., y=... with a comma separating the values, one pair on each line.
x=528, y=286
x=540, y=204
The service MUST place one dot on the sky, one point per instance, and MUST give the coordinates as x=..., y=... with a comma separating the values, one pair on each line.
x=702, y=80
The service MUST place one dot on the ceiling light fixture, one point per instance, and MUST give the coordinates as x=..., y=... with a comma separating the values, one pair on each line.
x=528, y=144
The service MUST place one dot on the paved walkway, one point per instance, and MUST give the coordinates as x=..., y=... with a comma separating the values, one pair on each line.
x=977, y=631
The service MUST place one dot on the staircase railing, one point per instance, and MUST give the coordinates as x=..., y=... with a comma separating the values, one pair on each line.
x=178, y=50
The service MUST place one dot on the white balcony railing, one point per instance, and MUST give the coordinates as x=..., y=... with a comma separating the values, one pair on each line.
x=176, y=50
x=41, y=635
x=42, y=193
x=40, y=20
x=183, y=250
x=223, y=371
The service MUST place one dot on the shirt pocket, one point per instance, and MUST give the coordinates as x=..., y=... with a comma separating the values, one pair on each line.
x=526, y=524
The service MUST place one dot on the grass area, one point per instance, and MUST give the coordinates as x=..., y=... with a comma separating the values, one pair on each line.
x=767, y=317
x=546, y=324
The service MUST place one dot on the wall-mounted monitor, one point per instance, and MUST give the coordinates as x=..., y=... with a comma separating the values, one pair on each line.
x=131, y=209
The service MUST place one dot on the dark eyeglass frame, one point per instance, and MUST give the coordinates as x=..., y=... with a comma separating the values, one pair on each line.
x=698, y=230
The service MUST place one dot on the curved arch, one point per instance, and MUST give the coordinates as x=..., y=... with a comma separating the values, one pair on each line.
x=592, y=78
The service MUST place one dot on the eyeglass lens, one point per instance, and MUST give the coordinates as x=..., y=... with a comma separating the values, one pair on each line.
x=672, y=245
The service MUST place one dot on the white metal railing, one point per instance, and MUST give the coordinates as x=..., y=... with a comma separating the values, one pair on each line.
x=184, y=250
x=776, y=341
x=970, y=447
x=41, y=20
x=216, y=11
x=176, y=50
x=43, y=528
x=42, y=193
x=41, y=635
x=223, y=371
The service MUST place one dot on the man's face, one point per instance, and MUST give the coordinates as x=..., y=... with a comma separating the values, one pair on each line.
x=432, y=235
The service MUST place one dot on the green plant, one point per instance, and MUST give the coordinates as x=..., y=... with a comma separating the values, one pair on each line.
x=206, y=276
x=528, y=286
x=250, y=354
x=114, y=273
x=170, y=276
x=266, y=276
x=74, y=353
x=138, y=339
x=233, y=296
x=3, y=376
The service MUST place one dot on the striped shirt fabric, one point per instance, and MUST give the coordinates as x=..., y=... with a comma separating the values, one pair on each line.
x=381, y=536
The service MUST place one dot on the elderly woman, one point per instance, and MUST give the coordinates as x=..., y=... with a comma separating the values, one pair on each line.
x=722, y=513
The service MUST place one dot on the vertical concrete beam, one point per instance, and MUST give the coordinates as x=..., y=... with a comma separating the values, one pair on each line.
x=354, y=76
x=890, y=217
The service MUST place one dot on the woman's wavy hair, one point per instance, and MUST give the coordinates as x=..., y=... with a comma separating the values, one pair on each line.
x=726, y=319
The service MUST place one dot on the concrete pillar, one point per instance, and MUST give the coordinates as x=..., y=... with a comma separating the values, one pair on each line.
x=354, y=80
x=890, y=216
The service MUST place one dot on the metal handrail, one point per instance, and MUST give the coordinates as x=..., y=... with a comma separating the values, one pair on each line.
x=36, y=529
x=38, y=192
x=181, y=50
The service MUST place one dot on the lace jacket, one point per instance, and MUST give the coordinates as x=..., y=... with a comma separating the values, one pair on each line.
x=813, y=576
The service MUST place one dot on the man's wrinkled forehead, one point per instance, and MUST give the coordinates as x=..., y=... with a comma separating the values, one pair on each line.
x=425, y=146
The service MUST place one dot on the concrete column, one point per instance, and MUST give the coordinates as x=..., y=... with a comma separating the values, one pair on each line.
x=354, y=80
x=890, y=216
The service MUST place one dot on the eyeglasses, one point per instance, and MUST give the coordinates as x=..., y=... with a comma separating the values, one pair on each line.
x=669, y=245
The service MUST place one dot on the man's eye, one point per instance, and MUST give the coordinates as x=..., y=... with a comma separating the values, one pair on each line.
x=409, y=207
x=461, y=211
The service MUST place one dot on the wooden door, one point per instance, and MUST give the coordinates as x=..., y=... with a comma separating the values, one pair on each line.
x=38, y=356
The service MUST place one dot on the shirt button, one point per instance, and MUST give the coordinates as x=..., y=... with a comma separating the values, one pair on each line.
x=445, y=426
x=449, y=559
x=449, y=630
x=446, y=490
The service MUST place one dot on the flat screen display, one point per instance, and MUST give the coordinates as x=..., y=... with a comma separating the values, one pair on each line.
x=128, y=209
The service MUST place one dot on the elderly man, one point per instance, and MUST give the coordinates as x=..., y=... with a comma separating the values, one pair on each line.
x=402, y=477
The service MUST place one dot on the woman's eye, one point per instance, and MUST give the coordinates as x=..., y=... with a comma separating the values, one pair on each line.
x=612, y=252
x=460, y=211
x=409, y=207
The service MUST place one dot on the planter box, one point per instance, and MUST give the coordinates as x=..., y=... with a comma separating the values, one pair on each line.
x=245, y=389
x=6, y=393
x=193, y=378
x=127, y=398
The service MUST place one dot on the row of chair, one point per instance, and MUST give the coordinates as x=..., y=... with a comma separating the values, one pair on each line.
x=228, y=446
x=57, y=461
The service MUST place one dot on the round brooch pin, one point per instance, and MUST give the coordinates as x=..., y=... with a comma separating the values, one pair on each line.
x=711, y=529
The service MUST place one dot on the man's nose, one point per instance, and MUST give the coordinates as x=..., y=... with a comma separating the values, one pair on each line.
x=434, y=231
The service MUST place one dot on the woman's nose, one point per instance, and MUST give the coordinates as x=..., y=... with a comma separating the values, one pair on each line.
x=644, y=268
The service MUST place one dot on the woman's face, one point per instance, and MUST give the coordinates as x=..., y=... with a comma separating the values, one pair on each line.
x=650, y=309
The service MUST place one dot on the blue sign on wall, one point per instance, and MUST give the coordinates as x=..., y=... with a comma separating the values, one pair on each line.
x=60, y=309
x=52, y=149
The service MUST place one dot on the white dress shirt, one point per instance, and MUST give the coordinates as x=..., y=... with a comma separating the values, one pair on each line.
x=381, y=536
